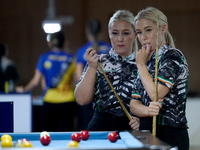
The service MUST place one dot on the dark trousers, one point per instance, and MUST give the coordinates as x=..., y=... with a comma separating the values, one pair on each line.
x=171, y=135
x=108, y=122
x=58, y=117
x=85, y=114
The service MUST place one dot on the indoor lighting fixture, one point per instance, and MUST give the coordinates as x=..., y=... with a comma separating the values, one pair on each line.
x=51, y=24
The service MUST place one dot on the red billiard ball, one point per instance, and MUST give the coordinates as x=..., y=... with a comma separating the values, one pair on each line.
x=45, y=140
x=113, y=137
x=85, y=135
x=76, y=137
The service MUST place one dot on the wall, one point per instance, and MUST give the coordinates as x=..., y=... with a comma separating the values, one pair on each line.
x=192, y=114
x=20, y=28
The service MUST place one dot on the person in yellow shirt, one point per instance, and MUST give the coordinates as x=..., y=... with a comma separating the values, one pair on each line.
x=56, y=69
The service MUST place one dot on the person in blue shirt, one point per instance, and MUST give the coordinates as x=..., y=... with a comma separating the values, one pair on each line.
x=56, y=70
x=93, y=29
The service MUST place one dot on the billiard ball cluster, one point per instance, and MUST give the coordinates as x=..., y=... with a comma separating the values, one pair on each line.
x=77, y=137
x=83, y=135
x=6, y=141
x=45, y=139
x=22, y=143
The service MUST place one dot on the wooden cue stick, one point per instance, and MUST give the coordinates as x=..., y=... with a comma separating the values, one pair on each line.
x=156, y=84
x=124, y=108
x=95, y=46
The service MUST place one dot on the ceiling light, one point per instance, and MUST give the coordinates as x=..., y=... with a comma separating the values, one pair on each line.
x=51, y=26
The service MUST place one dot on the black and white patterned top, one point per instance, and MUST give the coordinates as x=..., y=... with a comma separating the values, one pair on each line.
x=122, y=75
x=172, y=72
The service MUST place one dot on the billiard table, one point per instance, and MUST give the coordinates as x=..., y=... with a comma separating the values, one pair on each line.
x=130, y=140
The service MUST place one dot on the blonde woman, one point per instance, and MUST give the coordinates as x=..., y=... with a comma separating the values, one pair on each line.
x=172, y=80
x=120, y=68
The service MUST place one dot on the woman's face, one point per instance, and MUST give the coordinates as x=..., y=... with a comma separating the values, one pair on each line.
x=122, y=37
x=146, y=31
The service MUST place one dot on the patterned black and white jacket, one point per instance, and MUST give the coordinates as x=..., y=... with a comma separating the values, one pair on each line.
x=122, y=75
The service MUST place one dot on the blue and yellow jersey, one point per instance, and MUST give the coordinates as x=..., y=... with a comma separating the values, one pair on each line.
x=58, y=69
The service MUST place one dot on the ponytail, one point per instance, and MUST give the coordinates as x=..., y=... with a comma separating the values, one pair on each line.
x=169, y=39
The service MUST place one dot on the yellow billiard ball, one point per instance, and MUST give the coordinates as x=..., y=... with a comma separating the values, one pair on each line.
x=6, y=143
x=73, y=144
x=6, y=136
x=26, y=144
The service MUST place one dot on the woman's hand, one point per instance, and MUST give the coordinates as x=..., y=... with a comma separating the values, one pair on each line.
x=134, y=123
x=154, y=108
x=92, y=58
x=142, y=56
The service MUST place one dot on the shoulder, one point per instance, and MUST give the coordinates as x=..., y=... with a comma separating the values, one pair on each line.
x=6, y=63
x=175, y=54
x=6, y=60
x=81, y=50
x=67, y=54
x=173, y=58
x=171, y=53
x=46, y=54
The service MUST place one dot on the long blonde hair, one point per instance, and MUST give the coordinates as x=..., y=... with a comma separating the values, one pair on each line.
x=124, y=15
x=152, y=13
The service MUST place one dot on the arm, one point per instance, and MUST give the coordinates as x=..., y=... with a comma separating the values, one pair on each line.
x=35, y=81
x=149, y=84
x=140, y=110
x=32, y=84
x=80, y=63
x=43, y=82
x=143, y=55
x=84, y=90
x=79, y=70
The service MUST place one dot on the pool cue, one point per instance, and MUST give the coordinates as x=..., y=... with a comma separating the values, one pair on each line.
x=122, y=105
x=95, y=46
x=156, y=83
